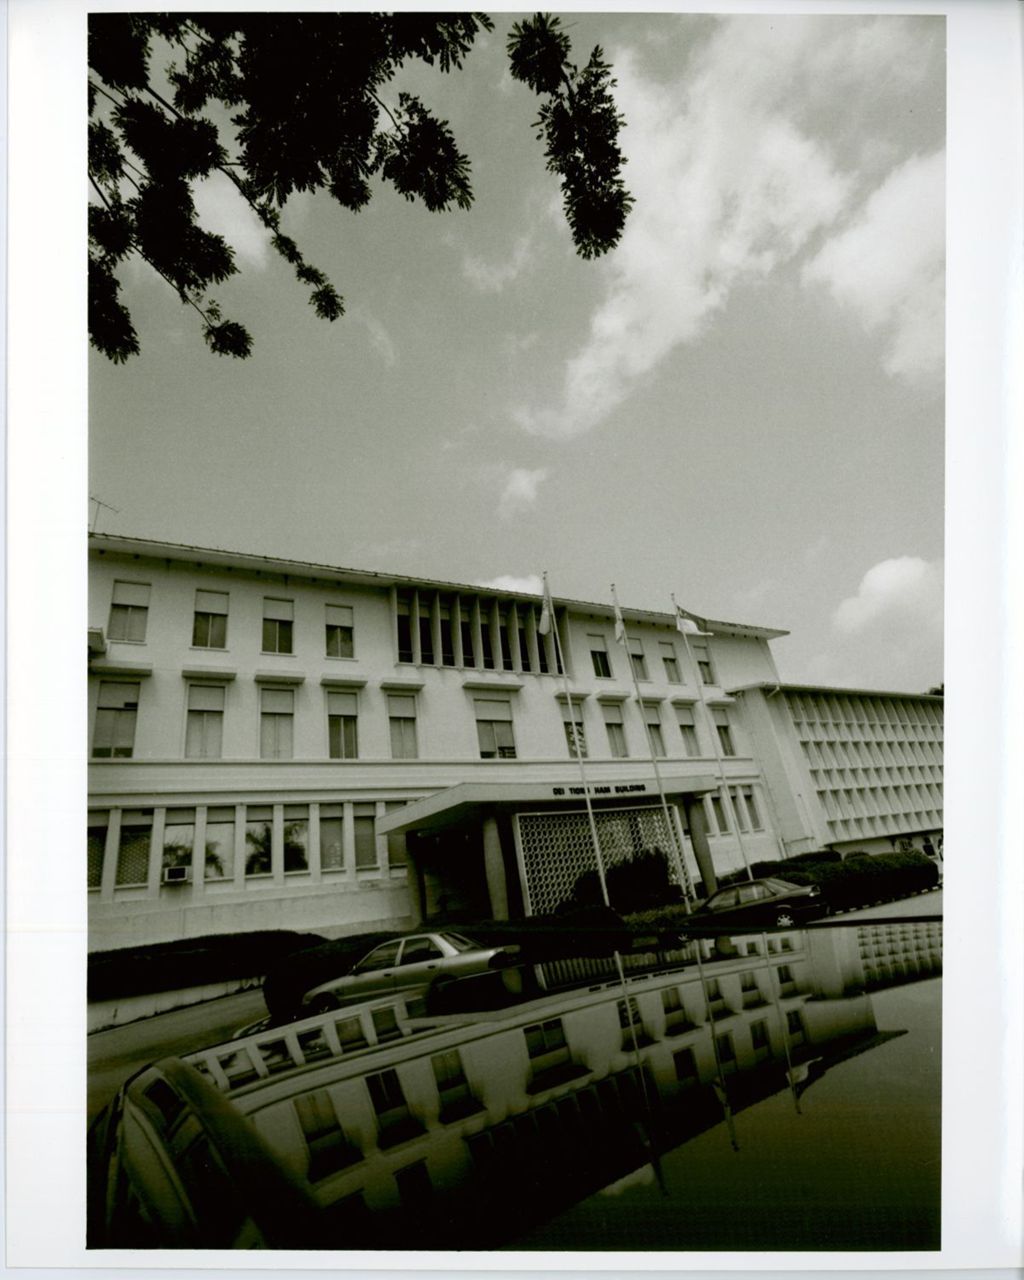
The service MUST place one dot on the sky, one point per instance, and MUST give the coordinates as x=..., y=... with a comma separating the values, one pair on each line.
x=741, y=405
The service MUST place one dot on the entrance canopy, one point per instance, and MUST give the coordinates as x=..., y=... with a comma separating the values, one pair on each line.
x=467, y=802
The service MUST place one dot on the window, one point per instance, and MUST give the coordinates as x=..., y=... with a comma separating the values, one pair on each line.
x=365, y=818
x=652, y=719
x=402, y=723
x=114, y=731
x=179, y=837
x=426, y=636
x=638, y=659
x=760, y=1041
x=670, y=661
x=129, y=609
x=397, y=854
x=721, y=716
x=220, y=844
x=277, y=625
x=395, y=1122
x=739, y=810
x=133, y=847
x=296, y=837
x=204, y=731
x=726, y=1052
x=414, y=1186
x=575, y=735
x=795, y=1027
x=616, y=731
x=494, y=728
x=686, y=1066
x=328, y=1148
x=721, y=821
x=452, y=1087
x=342, y=726
x=466, y=629
x=210, y=620
x=447, y=637
x=277, y=713
x=752, y=809
x=404, y=628
x=702, y=656
x=599, y=657
x=546, y=1044
x=97, y=843
x=688, y=730
x=259, y=835
x=332, y=826
x=339, y=643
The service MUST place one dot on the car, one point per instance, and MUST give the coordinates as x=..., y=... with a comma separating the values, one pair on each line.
x=760, y=903
x=408, y=963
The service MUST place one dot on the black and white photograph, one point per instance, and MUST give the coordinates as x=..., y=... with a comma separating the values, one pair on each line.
x=512, y=521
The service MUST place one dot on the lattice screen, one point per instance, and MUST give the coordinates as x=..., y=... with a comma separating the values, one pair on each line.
x=556, y=848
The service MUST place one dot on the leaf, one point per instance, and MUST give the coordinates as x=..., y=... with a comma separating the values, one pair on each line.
x=110, y=326
x=228, y=339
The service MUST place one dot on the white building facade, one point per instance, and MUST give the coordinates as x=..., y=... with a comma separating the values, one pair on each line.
x=284, y=745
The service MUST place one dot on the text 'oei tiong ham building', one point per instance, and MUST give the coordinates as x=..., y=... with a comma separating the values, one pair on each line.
x=284, y=745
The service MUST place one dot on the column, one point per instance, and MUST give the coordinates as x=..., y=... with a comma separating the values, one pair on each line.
x=494, y=867
x=697, y=822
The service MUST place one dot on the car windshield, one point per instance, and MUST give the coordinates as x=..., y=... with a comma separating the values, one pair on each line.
x=459, y=942
x=781, y=886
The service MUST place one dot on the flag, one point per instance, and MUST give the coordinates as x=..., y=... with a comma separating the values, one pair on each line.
x=620, y=624
x=687, y=625
x=547, y=611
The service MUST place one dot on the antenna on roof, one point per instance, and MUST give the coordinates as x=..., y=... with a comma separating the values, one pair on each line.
x=96, y=513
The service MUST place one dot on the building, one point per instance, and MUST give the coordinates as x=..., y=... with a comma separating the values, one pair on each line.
x=277, y=744
x=850, y=769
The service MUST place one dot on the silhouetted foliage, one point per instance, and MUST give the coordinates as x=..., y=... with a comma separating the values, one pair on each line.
x=640, y=881
x=286, y=102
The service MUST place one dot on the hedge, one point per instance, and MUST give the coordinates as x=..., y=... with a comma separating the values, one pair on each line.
x=188, y=962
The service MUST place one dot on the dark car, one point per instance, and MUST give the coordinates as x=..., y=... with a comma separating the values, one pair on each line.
x=761, y=903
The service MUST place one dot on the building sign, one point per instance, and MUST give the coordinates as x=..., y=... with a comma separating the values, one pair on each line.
x=612, y=789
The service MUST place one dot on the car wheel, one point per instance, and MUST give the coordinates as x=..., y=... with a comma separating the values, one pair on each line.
x=785, y=919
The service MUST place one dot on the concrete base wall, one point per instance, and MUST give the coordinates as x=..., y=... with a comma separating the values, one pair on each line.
x=117, y=1013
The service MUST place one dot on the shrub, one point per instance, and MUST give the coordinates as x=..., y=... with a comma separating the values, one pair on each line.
x=188, y=962
x=642, y=880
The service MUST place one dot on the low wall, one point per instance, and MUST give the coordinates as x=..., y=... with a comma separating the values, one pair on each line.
x=104, y=1014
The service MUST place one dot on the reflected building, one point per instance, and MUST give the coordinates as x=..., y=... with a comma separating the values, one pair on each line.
x=404, y=1128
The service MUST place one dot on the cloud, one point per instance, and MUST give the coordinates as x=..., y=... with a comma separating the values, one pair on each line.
x=891, y=594
x=888, y=265
x=492, y=277
x=380, y=339
x=531, y=585
x=520, y=490
x=221, y=209
x=732, y=178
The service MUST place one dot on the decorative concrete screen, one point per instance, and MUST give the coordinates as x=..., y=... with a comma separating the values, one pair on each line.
x=555, y=849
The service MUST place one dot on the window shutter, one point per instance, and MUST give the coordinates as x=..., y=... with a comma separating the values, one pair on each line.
x=339, y=615
x=342, y=704
x=278, y=701
x=402, y=706
x=136, y=593
x=278, y=610
x=492, y=708
x=204, y=697
x=211, y=602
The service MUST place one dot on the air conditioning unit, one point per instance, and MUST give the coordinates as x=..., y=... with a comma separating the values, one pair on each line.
x=177, y=875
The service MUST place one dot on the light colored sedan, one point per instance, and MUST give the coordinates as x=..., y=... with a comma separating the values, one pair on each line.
x=404, y=964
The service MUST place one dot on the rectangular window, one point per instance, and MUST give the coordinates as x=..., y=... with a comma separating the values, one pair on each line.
x=129, y=609
x=402, y=724
x=738, y=809
x=466, y=628
x=404, y=626
x=686, y=1066
x=688, y=730
x=599, y=656
x=721, y=822
x=339, y=631
x=638, y=659
x=205, y=728
x=702, y=656
x=652, y=721
x=760, y=1041
x=332, y=828
x=116, y=708
x=342, y=726
x=210, y=620
x=296, y=837
x=328, y=1148
x=97, y=843
x=133, y=847
x=670, y=661
x=546, y=1043
x=220, y=844
x=575, y=735
x=179, y=838
x=426, y=637
x=452, y=1087
x=397, y=855
x=396, y=1124
x=752, y=809
x=278, y=618
x=365, y=818
x=721, y=716
x=277, y=715
x=259, y=836
x=494, y=728
x=726, y=1052
x=616, y=732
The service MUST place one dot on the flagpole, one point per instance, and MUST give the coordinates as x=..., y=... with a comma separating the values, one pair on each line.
x=684, y=876
x=719, y=762
x=553, y=623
